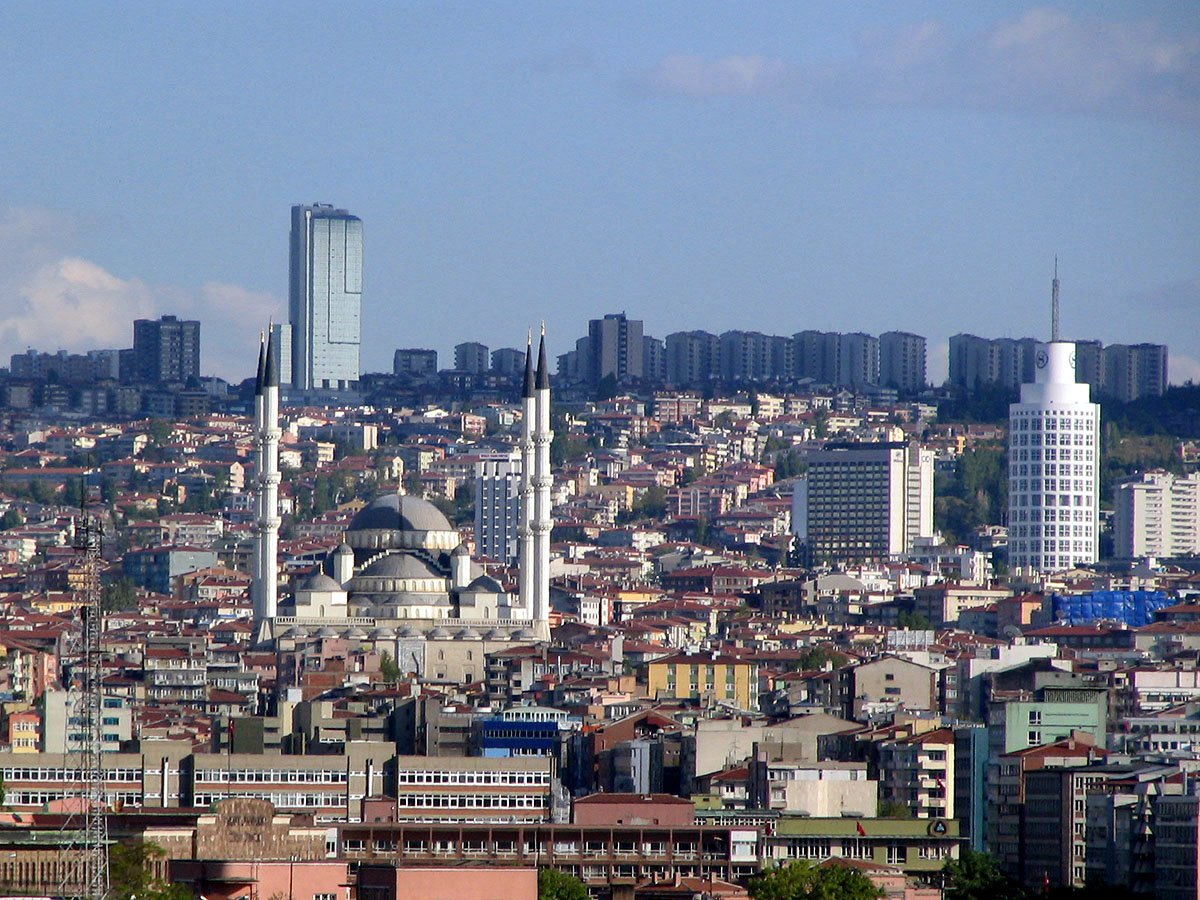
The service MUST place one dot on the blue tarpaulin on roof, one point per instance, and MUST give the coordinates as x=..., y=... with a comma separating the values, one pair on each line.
x=1134, y=608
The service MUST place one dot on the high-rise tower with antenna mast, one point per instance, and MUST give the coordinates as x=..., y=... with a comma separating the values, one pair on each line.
x=1053, y=463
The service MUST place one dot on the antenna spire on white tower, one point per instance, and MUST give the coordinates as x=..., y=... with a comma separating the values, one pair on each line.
x=1054, y=303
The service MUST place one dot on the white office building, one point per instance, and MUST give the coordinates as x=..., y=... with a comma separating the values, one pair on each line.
x=1053, y=467
x=497, y=505
x=1157, y=514
x=325, y=298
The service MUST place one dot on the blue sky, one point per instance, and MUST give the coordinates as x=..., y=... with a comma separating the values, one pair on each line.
x=771, y=166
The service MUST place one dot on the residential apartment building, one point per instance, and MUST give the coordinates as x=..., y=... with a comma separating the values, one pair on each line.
x=164, y=350
x=497, y=505
x=696, y=675
x=1157, y=514
x=414, y=361
x=902, y=360
x=692, y=357
x=471, y=357
x=918, y=772
x=1122, y=371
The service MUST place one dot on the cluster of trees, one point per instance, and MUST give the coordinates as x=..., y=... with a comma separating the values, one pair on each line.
x=973, y=876
x=975, y=494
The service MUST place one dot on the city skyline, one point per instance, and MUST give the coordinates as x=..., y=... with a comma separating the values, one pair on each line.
x=877, y=168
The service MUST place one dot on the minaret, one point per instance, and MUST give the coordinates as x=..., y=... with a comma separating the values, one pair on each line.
x=525, y=558
x=1053, y=463
x=268, y=489
x=256, y=564
x=542, y=482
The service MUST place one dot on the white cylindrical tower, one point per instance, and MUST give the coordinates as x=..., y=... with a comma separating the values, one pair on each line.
x=460, y=567
x=1053, y=467
x=542, y=482
x=343, y=564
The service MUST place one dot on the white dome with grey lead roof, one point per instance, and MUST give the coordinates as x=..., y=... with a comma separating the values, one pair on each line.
x=400, y=521
x=319, y=582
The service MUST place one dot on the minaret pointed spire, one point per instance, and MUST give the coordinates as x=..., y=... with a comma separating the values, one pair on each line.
x=1054, y=303
x=527, y=385
x=543, y=370
x=262, y=364
x=271, y=366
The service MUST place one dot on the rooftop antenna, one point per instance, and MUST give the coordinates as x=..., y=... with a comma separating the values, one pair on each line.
x=1054, y=303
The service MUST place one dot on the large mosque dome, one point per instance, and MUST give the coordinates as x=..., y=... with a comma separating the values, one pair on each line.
x=401, y=522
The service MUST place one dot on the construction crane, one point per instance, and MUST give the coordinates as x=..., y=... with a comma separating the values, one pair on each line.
x=85, y=866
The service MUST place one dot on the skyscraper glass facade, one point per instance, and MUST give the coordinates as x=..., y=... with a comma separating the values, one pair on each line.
x=325, y=297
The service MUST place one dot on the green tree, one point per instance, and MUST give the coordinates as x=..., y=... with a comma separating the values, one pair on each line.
x=802, y=880
x=388, y=669
x=652, y=504
x=159, y=431
x=322, y=495
x=121, y=594
x=464, y=504
x=40, y=491
x=131, y=874
x=789, y=465
x=890, y=809
x=913, y=620
x=12, y=518
x=815, y=658
x=556, y=885
x=975, y=876
x=821, y=422
x=109, y=489
x=608, y=387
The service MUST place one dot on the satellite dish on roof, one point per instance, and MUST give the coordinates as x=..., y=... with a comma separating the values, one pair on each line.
x=1011, y=632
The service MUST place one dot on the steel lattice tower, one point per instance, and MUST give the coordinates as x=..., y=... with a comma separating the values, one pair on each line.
x=86, y=874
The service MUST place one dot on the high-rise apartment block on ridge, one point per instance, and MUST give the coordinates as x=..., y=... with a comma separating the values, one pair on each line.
x=413, y=361
x=1053, y=464
x=614, y=347
x=894, y=359
x=1123, y=371
x=325, y=298
x=902, y=360
x=164, y=350
x=471, y=357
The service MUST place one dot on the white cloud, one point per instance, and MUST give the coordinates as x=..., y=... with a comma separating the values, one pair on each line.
x=1043, y=61
x=73, y=304
x=697, y=77
x=56, y=300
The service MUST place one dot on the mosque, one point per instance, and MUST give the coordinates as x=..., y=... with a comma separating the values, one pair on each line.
x=402, y=579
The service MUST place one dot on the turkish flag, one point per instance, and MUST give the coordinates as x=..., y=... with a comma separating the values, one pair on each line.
x=862, y=832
